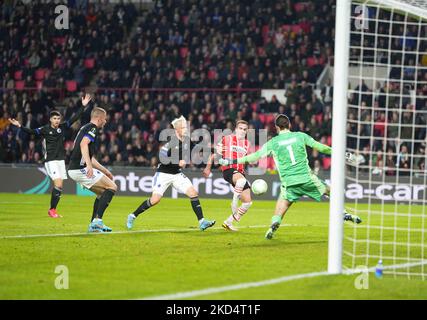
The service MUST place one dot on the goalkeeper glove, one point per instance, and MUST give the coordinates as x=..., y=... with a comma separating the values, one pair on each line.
x=352, y=158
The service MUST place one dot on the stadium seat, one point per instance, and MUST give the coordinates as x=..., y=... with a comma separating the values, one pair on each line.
x=311, y=61
x=296, y=28
x=71, y=85
x=211, y=74
x=183, y=52
x=286, y=27
x=17, y=75
x=329, y=141
x=326, y=163
x=39, y=85
x=319, y=118
x=300, y=6
x=59, y=63
x=178, y=74
x=89, y=63
x=19, y=85
x=39, y=74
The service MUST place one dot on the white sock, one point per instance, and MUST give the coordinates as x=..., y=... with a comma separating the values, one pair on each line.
x=201, y=220
x=238, y=188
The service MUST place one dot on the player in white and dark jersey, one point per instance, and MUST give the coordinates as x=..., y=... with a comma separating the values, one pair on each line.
x=88, y=172
x=53, y=149
x=169, y=173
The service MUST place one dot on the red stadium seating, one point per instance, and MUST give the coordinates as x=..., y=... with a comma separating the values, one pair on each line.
x=178, y=73
x=89, y=63
x=17, y=75
x=39, y=74
x=39, y=85
x=326, y=163
x=71, y=85
x=19, y=85
x=183, y=52
x=211, y=74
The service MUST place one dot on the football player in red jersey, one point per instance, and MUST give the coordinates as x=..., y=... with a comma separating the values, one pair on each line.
x=232, y=147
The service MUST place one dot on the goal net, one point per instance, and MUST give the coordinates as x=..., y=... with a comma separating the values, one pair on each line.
x=386, y=130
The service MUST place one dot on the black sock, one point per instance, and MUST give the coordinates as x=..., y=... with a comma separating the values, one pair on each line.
x=95, y=208
x=197, y=208
x=104, y=201
x=144, y=206
x=56, y=195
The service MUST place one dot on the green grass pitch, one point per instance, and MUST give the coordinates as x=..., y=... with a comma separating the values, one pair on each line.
x=180, y=258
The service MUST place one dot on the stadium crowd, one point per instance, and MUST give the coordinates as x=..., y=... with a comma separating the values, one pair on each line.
x=218, y=54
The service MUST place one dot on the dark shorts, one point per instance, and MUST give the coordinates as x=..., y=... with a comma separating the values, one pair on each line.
x=228, y=176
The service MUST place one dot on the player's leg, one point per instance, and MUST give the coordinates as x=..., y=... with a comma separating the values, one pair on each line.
x=347, y=215
x=55, y=197
x=56, y=171
x=105, y=189
x=184, y=185
x=287, y=196
x=147, y=204
x=238, y=182
x=197, y=208
x=161, y=182
x=282, y=207
x=246, y=199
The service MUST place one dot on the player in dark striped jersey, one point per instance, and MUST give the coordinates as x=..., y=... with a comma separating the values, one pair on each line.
x=53, y=149
x=87, y=171
x=169, y=173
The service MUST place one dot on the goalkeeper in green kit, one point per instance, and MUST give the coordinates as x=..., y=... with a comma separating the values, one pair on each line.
x=289, y=152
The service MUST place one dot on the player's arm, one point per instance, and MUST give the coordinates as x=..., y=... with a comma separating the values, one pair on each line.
x=253, y=157
x=84, y=102
x=323, y=148
x=101, y=168
x=27, y=130
x=84, y=148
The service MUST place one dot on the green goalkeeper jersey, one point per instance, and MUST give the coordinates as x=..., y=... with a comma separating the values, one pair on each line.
x=289, y=152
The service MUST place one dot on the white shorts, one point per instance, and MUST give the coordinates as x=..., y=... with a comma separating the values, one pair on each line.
x=79, y=176
x=162, y=181
x=56, y=169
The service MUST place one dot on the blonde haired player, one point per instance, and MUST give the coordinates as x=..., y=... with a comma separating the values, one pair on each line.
x=169, y=173
x=234, y=146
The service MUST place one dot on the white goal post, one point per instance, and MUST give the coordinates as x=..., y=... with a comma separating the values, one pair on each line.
x=380, y=115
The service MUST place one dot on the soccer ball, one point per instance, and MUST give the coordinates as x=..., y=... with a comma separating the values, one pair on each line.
x=259, y=187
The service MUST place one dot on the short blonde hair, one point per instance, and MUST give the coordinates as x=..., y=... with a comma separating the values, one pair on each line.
x=96, y=112
x=178, y=120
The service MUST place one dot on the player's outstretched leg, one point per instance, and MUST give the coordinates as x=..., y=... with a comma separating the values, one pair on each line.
x=347, y=215
x=242, y=192
x=282, y=207
x=351, y=217
x=54, y=199
x=155, y=199
x=197, y=208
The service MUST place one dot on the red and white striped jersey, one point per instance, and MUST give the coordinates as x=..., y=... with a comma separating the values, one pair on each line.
x=233, y=148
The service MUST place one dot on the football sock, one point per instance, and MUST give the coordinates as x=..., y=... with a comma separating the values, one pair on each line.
x=144, y=206
x=197, y=208
x=242, y=210
x=238, y=188
x=56, y=195
x=104, y=201
x=277, y=219
x=95, y=208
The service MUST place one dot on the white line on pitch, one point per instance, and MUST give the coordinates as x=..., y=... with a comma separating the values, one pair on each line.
x=24, y=236
x=247, y=285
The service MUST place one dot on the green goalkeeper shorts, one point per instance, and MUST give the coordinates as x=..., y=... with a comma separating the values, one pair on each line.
x=314, y=189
